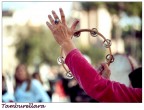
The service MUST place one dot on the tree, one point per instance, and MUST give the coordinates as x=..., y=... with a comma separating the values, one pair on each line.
x=130, y=9
x=37, y=46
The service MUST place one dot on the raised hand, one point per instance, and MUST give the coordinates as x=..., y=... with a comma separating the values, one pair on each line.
x=59, y=28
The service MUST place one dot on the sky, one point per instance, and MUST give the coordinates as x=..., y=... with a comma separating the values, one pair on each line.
x=47, y=6
x=36, y=11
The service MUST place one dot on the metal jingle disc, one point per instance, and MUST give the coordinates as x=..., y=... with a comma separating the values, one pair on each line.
x=94, y=29
x=60, y=60
x=110, y=58
x=76, y=34
x=107, y=43
x=94, y=32
x=69, y=75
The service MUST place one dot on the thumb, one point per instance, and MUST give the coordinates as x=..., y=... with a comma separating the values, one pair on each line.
x=75, y=23
x=106, y=69
x=105, y=65
x=103, y=68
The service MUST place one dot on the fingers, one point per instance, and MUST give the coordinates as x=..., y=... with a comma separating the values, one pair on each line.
x=55, y=15
x=100, y=69
x=75, y=23
x=62, y=16
x=49, y=25
x=51, y=19
x=105, y=65
x=106, y=68
x=106, y=71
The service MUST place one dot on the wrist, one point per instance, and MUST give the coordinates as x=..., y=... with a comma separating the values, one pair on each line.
x=66, y=42
x=68, y=46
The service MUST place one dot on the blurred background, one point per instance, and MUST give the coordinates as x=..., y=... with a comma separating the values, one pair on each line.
x=26, y=39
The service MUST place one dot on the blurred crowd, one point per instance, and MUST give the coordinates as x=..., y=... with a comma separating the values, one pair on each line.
x=31, y=88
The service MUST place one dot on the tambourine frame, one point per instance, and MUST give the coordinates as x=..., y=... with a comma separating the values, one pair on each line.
x=94, y=32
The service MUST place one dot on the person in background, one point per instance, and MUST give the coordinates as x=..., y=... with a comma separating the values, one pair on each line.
x=88, y=77
x=36, y=75
x=122, y=66
x=61, y=90
x=136, y=78
x=28, y=89
x=6, y=96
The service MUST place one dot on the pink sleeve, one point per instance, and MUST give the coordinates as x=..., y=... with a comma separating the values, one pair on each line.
x=94, y=85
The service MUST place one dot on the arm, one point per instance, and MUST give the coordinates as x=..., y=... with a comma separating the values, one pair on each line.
x=97, y=87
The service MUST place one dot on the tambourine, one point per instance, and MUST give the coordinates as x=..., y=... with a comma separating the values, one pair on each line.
x=94, y=32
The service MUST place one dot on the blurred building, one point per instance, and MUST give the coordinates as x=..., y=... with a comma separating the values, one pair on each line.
x=98, y=18
x=9, y=61
x=8, y=40
x=13, y=23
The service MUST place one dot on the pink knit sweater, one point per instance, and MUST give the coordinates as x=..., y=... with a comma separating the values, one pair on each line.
x=102, y=90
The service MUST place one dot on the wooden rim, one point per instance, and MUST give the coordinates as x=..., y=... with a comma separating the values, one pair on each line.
x=94, y=32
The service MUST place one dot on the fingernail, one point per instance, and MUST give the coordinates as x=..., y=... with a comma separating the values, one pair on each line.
x=60, y=9
x=47, y=23
x=76, y=20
